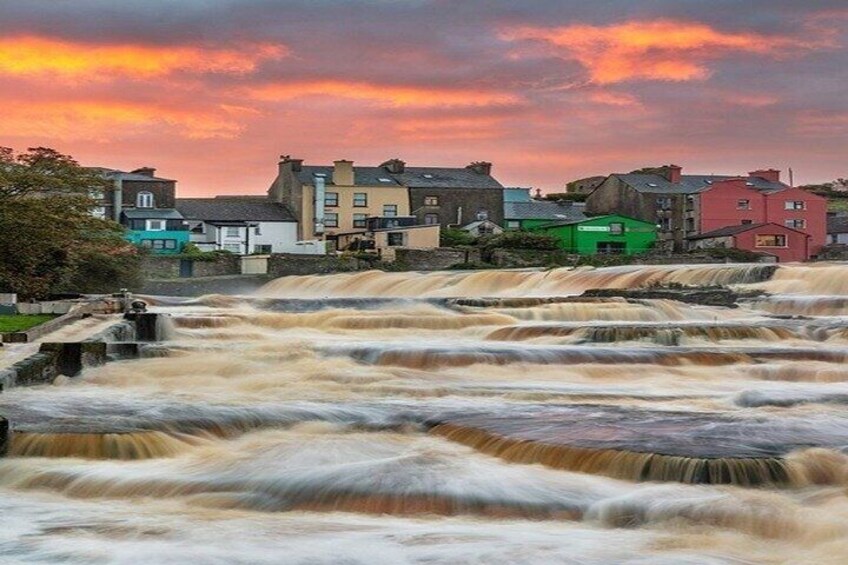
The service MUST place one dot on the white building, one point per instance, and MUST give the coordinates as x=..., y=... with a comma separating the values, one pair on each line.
x=243, y=225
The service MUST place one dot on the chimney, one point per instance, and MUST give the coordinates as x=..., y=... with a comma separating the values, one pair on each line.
x=394, y=166
x=286, y=162
x=672, y=173
x=771, y=175
x=146, y=171
x=343, y=173
x=481, y=167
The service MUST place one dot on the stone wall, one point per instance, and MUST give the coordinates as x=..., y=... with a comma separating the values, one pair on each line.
x=200, y=286
x=164, y=267
x=435, y=259
x=285, y=264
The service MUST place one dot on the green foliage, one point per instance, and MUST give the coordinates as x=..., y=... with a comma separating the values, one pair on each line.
x=51, y=242
x=649, y=171
x=22, y=322
x=521, y=240
x=453, y=237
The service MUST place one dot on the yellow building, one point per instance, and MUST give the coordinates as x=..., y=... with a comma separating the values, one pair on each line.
x=328, y=201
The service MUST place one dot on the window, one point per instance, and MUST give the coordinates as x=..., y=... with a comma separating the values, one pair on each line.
x=395, y=239
x=795, y=205
x=771, y=241
x=743, y=204
x=431, y=219
x=231, y=231
x=690, y=224
x=390, y=210
x=155, y=225
x=513, y=224
x=264, y=249
x=665, y=224
x=384, y=179
x=257, y=230
x=690, y=202
x=485, y=229
x=331, y=199
x=170, y=244
x=360, y=199
x=232, y=247
x=796, y=224
x=431, y=201
x=359, y=220
x=747, y=222
x=147, y=243
x=482, y=215
x=331, y=220
x=144, y=200
x=664, y=203
x=616, y=228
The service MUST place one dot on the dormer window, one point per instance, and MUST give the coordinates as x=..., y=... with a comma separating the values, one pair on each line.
x=144, y=200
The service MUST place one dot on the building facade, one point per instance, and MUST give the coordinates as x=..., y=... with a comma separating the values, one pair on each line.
x=243, y=225
x=332, y=200
x=535, y=213
x=144, y=204
x=683, y=206
x=783, y=243
x=608, y=234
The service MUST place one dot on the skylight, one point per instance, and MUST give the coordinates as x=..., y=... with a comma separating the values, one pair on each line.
x=428, y=176
x=652, y=185
x=384, y=179
x=321, y=175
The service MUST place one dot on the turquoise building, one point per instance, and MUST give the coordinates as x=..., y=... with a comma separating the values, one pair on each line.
x=163, y=231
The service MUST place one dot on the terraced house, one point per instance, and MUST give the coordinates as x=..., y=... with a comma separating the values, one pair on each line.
x=684, y=206
x=329, y=201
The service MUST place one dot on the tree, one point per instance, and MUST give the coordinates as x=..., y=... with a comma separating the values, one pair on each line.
x=51, y=241
x=453, y=237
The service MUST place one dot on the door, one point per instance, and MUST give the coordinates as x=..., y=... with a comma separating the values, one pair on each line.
x=186, y=268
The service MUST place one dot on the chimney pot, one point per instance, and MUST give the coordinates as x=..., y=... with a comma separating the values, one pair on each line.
x=771, y=175
x=481, y=167
x=673, y=173
x=394, y=166
x=343, y=173
x=146, y=171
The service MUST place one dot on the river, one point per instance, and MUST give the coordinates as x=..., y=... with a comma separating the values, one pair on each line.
x=461, y=417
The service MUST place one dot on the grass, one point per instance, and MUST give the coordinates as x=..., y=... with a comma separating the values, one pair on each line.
x=21, y=322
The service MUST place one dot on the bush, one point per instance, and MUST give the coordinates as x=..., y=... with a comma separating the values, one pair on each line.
x=731, y=254
x=452, y=237
x=522, y=240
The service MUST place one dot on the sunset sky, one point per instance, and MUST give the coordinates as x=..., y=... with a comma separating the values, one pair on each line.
x=212, y=92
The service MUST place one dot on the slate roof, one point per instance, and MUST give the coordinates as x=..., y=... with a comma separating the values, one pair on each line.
x=837, y=224
x=691, y=184
x=152, y=214
x=737, y=229
x=541, y=210
x=412, y=177
x=233, y=210
x=114, y=174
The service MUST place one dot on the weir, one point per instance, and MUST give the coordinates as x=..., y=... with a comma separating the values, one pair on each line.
x=365, y=399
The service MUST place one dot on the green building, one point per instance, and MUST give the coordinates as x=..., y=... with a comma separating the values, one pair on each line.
x=603, y=234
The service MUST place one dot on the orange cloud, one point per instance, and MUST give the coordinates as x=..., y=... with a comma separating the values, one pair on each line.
x=35, y=56
x=459, y=128
x=387, y=95
x=615, y=99
x=106, y=120
x=666, y=50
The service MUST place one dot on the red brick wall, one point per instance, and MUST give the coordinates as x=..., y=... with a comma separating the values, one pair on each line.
x=796, y=243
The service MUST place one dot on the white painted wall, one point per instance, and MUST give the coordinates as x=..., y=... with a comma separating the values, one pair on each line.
x=281, y=236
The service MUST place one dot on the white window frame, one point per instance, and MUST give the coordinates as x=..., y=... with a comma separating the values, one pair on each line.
x=144, y=199
x=228, y=232
x=161, y=225
x=393, y=213
x=793, y=205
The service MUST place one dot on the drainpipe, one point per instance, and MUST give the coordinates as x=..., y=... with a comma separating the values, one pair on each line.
x=118, y=199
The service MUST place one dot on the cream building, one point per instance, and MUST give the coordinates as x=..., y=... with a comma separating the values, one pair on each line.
x=328, y=201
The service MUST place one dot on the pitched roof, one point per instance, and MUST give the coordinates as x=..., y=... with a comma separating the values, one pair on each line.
x=542, y=210
x=116, y=174
x=152, y=214
x=412, y=177
x=691, y=184
x=837, y=224
x=737, y=229
x=233, y=210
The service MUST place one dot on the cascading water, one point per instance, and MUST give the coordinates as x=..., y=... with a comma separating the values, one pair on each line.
x=452, y=417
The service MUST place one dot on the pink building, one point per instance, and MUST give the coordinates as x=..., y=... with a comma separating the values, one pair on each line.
x=736, y=201
x=784, y=244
